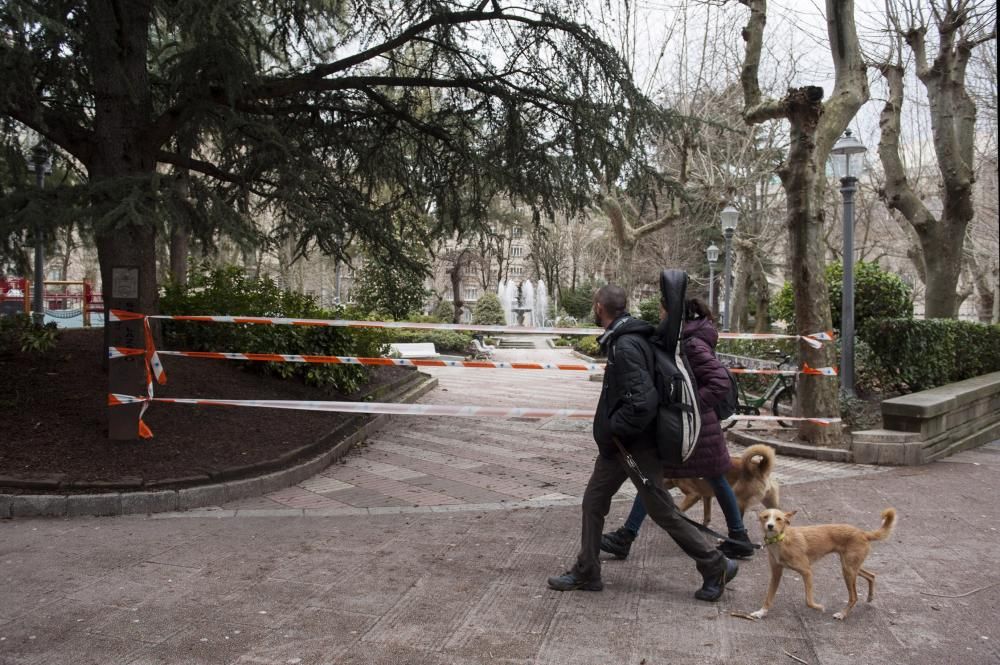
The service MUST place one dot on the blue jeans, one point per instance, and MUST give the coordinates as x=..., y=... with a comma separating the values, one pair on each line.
x=723, y=494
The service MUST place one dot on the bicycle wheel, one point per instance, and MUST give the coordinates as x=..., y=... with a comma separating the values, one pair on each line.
x=784, y=405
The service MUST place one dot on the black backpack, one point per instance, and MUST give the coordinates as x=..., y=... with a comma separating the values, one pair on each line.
x=678, y=420
x=727, y=407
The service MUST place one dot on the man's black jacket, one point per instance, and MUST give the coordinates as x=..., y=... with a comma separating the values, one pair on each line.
x=628, y=404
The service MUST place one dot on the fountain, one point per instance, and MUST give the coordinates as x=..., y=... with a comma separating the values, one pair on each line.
x=541, y=303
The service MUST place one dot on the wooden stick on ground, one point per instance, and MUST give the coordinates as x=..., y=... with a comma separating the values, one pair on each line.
x=795, y=658
x=961, y=595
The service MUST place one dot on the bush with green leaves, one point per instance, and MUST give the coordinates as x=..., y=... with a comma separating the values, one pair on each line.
x=392, y=287
x=444, y=341
x=588, y=346
x=19, y=333
x=228, y=291
x=649, y=310
x=445, y=312
x=579, y=302
x=878, y=294
x=915, y=354
x=489, y=311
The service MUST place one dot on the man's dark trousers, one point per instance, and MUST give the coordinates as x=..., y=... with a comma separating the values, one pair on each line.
x=608, y=476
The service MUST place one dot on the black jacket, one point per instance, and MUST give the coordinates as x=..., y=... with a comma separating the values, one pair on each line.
x=628, y=404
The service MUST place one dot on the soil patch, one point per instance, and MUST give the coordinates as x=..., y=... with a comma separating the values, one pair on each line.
x=53, y=419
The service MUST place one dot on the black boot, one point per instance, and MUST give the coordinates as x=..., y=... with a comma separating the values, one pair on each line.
x=742, y=549
x=713, y=585
x=618, y=542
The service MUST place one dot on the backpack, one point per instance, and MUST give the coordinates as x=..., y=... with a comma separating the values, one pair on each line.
x=678, y=419
x=727, y=407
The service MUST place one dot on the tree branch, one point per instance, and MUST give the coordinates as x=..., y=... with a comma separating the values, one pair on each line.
x=198, y=165
x=897, y=192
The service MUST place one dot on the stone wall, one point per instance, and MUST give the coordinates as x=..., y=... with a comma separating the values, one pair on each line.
x=925, y=426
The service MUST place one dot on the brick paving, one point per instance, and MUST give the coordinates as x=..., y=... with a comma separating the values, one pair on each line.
x=427, y=463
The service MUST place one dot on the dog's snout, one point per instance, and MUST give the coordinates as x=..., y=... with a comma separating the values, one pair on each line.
x=770, y=526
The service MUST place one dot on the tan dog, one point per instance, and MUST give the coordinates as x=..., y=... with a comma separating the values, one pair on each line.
x=750, y=477
x=798, y=547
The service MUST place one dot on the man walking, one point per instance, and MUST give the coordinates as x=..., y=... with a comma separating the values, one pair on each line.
x=627, y=412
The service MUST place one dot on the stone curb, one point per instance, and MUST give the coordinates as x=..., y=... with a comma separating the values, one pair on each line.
x=187, y=498
x=793, y=449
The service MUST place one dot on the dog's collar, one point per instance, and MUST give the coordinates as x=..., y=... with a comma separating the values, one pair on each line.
x=771, y=540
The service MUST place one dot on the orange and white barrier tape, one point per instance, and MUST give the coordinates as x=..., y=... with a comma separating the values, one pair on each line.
x=120, y=352
x=806, y=369
x=391, y=408
x=370, y=407
x=784, y=419
x=815, y=339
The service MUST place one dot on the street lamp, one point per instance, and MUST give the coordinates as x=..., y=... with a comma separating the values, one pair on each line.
x=847, y=169
x=713, y=255
x=41, y=164
x=729, y=217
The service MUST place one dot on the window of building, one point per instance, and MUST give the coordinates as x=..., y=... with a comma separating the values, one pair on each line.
x=517, y=251
x=517, y=271
x=517, y=232
x=471, y=293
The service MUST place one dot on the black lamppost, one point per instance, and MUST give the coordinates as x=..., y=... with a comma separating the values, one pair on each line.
x=729, y=217
x=713, y=256
x=41, y=164
x=846, y=169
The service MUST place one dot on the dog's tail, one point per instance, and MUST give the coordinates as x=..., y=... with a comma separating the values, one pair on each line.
x=766, y=464
x=888, y=521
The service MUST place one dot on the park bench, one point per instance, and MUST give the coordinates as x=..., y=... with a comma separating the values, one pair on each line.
x=481, y=351
x=413, y=350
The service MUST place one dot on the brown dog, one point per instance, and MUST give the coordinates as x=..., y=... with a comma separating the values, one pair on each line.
x=798, y=547
x=750, y=477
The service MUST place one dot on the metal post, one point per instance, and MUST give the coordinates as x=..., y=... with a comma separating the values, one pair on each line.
x=847, y=189
x=728, y=277
x=711, y=287
x=38, y=303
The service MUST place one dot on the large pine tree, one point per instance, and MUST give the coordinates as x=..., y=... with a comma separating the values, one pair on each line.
x=329, y=117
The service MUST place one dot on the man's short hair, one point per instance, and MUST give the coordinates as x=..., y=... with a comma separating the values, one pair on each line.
x=613, y=299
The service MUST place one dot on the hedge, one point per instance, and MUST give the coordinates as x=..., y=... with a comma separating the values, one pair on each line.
x=915, y=354
x=228, y=291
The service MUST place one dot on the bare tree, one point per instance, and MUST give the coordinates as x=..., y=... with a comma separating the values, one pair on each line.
x=814, y=127
x=961, y=25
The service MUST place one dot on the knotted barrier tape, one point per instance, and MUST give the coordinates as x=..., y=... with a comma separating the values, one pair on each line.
x=814, y=340
x=154, y=367
x=391, y=408
x=119, y=352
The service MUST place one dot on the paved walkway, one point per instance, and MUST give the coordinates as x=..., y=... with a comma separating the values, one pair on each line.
x=436, y=464
x=453, y=584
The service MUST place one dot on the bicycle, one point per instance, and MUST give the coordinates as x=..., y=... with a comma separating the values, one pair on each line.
x=781, y=392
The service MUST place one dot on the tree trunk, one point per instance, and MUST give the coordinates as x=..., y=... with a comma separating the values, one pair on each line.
x=180, y=240
x=122, y=109
x=953, y=120
x=739, y=320
x=814, y=127
x=815, y=394
x=762, y=320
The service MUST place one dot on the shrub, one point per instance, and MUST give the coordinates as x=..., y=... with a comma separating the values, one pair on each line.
x=916, y=354
x=390, y=286
x=588, y=346
x=445, y=311
x=445, y=341
x=19, y=333
x=580, y=301
x=489, y=311
x=227, y=291
x=649, y=310
x=878, y=294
